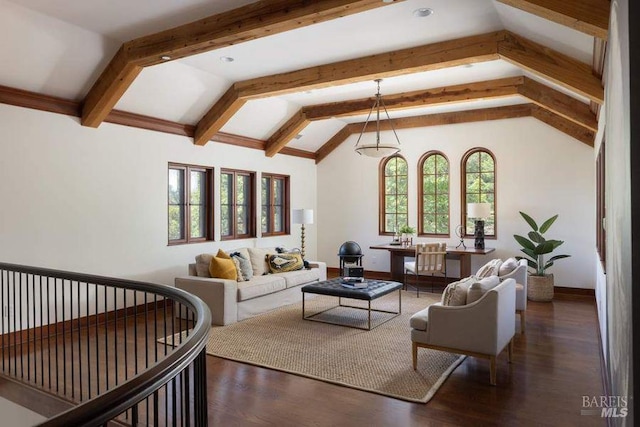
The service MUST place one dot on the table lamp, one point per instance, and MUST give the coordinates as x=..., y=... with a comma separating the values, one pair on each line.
x=302, y=216
x=479, y=212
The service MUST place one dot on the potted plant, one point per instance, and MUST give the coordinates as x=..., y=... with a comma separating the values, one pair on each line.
x=407, y=231
x=540, y=284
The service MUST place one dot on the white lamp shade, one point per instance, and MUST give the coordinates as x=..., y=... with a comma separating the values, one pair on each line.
x=478, y=210
x=302, y=216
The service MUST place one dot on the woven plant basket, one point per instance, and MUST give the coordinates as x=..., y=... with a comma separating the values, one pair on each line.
x=540, y=288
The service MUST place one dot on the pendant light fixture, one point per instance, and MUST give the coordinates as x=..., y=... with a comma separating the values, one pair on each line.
x=378, y=149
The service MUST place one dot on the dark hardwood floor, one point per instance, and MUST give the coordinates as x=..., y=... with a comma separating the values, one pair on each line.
x=556, y=362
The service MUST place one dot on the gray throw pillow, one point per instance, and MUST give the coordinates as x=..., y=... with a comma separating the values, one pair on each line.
x=245, y=265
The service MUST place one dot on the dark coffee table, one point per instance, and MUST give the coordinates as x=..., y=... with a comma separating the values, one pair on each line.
x=375, y=289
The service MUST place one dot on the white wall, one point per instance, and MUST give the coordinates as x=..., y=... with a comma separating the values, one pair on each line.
x=95, y=200
x=540, y=171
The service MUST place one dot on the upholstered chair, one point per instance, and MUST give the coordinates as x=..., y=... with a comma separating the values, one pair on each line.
x=483, y=328
x=430, y=260
x=520, y=275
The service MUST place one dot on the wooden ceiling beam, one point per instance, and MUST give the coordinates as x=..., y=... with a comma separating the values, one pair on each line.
x=559, y=103
x=495, y=113
x=336, y=140
x=216, y=117
x=420, y=98
x=564, y=125
x=429, y=57
x=552, y=65
x=588, y=16
x=253, y=21
x=286, y=133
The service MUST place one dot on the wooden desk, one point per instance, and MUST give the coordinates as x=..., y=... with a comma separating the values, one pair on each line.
x=397, y=254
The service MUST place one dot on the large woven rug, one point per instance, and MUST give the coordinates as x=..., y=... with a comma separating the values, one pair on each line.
x=377, y=361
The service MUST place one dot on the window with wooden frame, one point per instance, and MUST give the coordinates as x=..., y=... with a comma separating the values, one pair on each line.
x=393, y=193
x=478, y=180
x=601, y=235
x=433, y=195
x=237, y=204
x=274, y=219
x=190, y=209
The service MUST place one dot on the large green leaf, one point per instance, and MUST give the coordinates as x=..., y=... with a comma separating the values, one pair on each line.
x=545, y=226
x=530, y=253
x=556, y=243
x=557, y=257
x=545, y=248
x=524, y=242
x=530, y=221
x=536, y=237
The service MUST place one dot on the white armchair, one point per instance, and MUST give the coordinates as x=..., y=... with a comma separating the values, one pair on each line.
x=520, y=275
x=483, y=328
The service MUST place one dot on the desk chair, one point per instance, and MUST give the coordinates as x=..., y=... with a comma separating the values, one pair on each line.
x=430, y=259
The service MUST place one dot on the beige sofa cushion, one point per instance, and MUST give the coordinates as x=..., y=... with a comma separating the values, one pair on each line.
x=299, y=277
x=258, y=258
x=478, y=289
x=507, y=266
x=456, y=293
x=260, y=285
x=202, y=265
x=492, y=268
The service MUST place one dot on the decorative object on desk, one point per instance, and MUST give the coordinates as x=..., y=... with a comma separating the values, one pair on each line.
x=353, y=271
x=349, y=253
x=540, y=284
x=303, y=217
x=460, y=234
x=407, y=235
x=377, y=149
x=479, y=212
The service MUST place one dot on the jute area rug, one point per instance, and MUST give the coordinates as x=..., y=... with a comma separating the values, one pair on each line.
x=377, y=361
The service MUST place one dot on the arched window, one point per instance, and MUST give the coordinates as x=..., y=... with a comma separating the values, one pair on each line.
x=394, y=198
x=479, y=186
x=433, y=194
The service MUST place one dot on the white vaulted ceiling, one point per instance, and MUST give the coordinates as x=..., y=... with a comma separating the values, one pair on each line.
x=60, y=48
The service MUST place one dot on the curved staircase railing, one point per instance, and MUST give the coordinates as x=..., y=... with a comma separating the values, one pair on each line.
x=116, y=351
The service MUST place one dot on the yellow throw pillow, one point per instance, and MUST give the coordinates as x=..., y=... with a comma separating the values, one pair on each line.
x=223, y=254
x=281, y=263
x=223, y=268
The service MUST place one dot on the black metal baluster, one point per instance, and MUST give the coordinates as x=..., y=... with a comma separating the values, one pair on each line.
x=95, y=287
x=106, y=340
x=173, y=403
x=155, y=408
x=41, y=335
x=15, y=330
x=64, y=340
x=155, y=326
x=146, y=347
x=135, y=331
x=49, y=331
x=126, y=326
x=28, y=328
x=186, y=394
x=20, y=327
x=115, y=332
x=88, y=328
x=2, y=325
x=73, y=371
x=55, y=284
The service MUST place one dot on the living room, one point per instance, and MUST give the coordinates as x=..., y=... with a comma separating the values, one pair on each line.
x=94, y=201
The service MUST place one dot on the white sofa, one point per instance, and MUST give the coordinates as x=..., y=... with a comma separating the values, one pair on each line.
x=231, y=301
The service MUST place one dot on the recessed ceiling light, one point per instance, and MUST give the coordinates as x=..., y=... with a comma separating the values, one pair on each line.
x=423, y=12
x=165, y=57
x=298, y=136
x=226, y=59
x=468, y=65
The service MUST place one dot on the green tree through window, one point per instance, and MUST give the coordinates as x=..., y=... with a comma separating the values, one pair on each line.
x=190, y=204
x=237, y=205
x=478, y=186
x=433, y=218
x=394, y=200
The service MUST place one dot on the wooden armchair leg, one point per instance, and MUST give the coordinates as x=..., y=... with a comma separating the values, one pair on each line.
x=492, y=370
x=522, y=321
x=510, y=350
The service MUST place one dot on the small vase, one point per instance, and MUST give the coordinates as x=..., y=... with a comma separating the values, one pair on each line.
x=540, y=288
